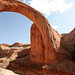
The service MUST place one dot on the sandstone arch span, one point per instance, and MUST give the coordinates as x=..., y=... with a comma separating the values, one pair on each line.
x=49, y=44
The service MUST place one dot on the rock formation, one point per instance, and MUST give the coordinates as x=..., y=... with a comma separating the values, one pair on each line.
x=50, y=42
x=37, y=46
x=46, y=46
x=17, y=50
x=4, y=44
x=17, y=44
x=68, y=44
x=12, y=52
x=16, y=58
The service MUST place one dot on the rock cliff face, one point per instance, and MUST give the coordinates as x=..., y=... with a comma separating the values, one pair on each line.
x=68, y=44
x=38, y=52
x=37, y=46
x=49, y=41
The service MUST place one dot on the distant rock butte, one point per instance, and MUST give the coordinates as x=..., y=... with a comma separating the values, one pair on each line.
x=17, y=50
x=18, y=44
x=4, y=44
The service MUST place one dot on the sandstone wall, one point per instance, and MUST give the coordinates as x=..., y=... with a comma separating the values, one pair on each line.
x=68, y=45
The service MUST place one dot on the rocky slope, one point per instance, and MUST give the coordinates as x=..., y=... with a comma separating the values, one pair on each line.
x=12, y=52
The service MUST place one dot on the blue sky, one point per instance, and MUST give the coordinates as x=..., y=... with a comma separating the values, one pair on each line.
x=15, y=27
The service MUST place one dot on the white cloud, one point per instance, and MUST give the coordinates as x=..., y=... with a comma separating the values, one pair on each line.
x=50, y=6
x=55, y=27
x=24, y=1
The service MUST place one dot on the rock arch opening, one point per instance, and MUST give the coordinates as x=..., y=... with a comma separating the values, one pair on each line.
x=50, y=44
x=14, y=27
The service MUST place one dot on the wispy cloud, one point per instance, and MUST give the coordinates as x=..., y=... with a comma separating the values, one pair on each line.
x=50, y=6
x=55, y=27
x=24, y=1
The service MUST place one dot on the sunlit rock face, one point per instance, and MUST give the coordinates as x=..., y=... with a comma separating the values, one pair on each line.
x=37, y=46
x=47, y=40
x=16, y=50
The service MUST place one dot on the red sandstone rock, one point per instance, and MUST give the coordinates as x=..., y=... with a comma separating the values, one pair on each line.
x=4, y=44
x=50, y=42
x=68, y=45
x=8, y=53
x=4, y=47
x=17, y=44
x=37, y=47
x=26, y=45
x=38, y=52
x=33, y=68
x=45, y=41
x=4, y=50
x=13, y=52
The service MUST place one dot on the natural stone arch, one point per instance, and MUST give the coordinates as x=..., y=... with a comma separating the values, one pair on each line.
x=50, y=42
